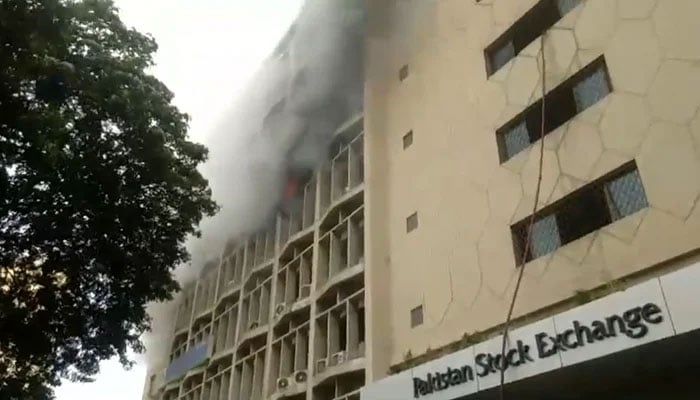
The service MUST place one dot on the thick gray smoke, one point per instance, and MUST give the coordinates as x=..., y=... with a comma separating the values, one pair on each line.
x=281, y=125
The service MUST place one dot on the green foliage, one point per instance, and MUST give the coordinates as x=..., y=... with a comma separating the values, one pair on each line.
x=98, y=191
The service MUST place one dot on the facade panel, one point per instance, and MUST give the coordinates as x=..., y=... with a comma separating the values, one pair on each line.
x=325, y=303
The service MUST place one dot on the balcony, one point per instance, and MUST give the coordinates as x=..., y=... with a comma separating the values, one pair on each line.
x=259, y=253
x=193, y=385
x=205, y=296
x=289, y=360
x=201, y=332
x=172, y=391
x=347, y=388
x=184, y=310
x=249, y=371
x=224, y=328
x=341, y=250
x=195, y=356
x=179, y=346
x=231, y=275
x=340, y=335
x=255, y=314
x=342, y=178
x=297, y=226
x=218, y=380
x=350, y=129
x=294, y=283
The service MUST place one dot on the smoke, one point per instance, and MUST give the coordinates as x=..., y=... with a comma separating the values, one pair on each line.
x=281, y=125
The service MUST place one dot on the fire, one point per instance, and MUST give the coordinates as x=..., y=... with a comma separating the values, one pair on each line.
x=290, y=189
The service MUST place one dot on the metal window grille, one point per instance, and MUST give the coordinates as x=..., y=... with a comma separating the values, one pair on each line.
x=626, y=195
x=591, y=89
x=516, y=139
x=545, y=236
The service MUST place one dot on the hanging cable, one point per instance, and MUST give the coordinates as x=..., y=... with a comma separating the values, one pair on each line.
x=528, y=238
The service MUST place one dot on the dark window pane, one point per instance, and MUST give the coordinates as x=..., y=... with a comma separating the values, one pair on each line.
x=412, y=222
x=591, y=89
x=582, y=213
x=626, y=195
x=545, y=236
x=560, y=107
x=501, y=55
x=516, y=139
x=565, y=6
x=408, y=139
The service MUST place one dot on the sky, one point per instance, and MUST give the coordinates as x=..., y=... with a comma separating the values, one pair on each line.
x=208, y=50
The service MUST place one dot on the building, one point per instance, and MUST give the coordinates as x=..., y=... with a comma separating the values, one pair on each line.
x=423, y=233
x=281, y=300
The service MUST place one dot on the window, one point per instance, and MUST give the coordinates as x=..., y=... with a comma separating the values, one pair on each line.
x=152, y=384
x=412, y=222
x=343, y=332
x=590, y=208
x=407, y=139
x=524, y=31
x=403, y=73
x=417, y=316
x=582, y=90
x=361, y=325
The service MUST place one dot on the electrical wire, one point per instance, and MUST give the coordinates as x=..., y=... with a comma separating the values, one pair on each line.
x=528, y=237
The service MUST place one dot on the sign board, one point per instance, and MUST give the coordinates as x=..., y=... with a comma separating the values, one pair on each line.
x=654, y=310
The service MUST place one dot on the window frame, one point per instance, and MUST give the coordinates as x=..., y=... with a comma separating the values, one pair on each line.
x=597, y=187
x=412, y=216
x=532, y=114
x=520, y=28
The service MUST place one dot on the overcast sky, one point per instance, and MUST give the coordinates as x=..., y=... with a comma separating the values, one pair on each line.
x=208, y=49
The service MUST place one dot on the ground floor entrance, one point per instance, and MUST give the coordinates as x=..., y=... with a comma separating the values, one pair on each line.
x=665, y=370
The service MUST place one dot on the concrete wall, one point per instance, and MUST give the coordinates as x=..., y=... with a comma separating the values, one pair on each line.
x=459, y=264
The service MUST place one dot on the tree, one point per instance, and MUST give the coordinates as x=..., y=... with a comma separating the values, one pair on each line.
x=98, y=191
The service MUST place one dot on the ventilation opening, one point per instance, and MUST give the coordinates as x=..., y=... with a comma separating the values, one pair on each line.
x=417, y=316
x=403, y=73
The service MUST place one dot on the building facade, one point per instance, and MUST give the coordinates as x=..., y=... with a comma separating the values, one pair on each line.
x=421, y=229
x=281, y=313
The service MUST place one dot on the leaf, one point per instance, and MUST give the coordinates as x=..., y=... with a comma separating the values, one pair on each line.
x=99, y=189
